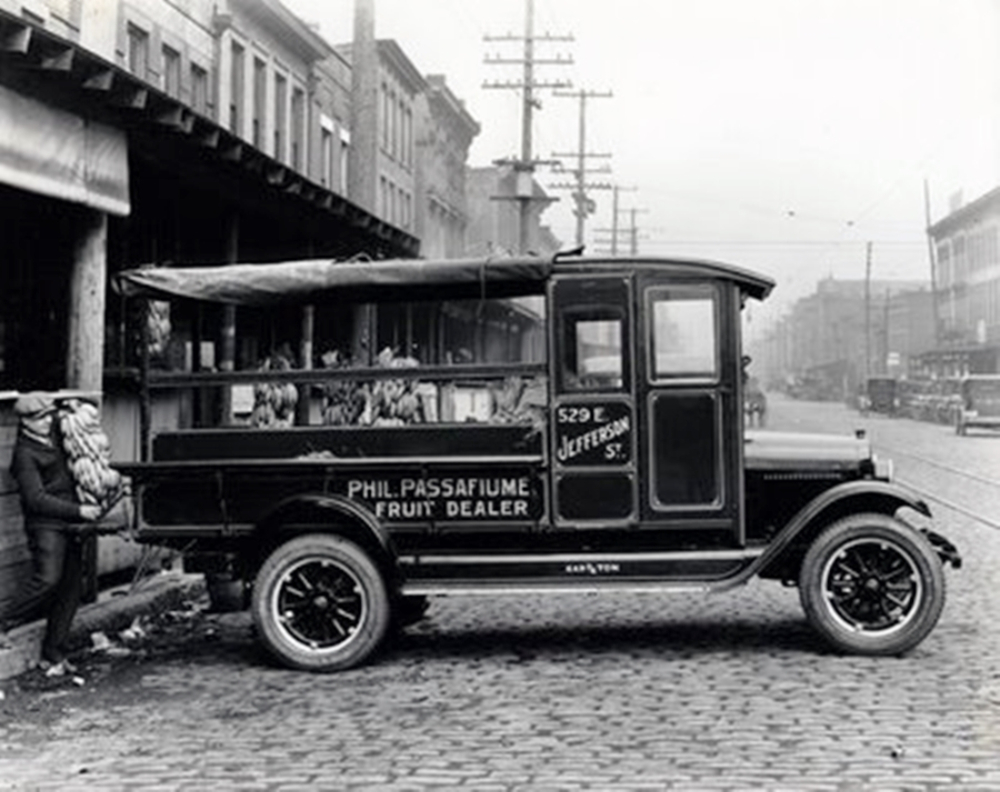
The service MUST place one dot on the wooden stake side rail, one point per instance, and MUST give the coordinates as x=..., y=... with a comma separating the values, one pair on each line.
x=163, y=379
x=144, y=469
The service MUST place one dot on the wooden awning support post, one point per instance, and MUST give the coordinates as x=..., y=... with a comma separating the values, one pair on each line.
x=227, y=350
x=88, y=283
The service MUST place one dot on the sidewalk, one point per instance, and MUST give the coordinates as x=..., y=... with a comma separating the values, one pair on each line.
x=114, y=610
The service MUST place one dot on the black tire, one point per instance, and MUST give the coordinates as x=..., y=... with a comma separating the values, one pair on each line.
x=872, y=585
x=320, y=604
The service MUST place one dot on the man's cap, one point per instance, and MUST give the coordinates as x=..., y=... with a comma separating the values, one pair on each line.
x=34, y=405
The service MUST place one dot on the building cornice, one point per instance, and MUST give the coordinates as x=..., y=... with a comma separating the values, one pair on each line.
x=272, y=15
x=988, y=203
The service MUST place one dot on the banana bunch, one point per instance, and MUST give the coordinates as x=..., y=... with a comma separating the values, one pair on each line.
x=274, y=402
x=394, y=402
x=343, y=400
x=158, y=323
x=88, y=451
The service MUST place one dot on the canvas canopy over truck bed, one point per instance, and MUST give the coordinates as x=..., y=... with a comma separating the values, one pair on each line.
x=401, y=279
x=631, y=472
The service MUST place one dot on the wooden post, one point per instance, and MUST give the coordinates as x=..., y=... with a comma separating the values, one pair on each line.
x=306, y=356
x=227, y=343
x=85, y=348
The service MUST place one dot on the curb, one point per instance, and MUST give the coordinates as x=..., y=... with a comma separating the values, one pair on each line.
x=114, y=610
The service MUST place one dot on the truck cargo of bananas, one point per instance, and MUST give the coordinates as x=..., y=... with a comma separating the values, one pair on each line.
x=274, y=402
x=88, y=452
x=383, y=402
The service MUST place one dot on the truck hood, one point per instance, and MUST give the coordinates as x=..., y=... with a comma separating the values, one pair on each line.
x=765, y=450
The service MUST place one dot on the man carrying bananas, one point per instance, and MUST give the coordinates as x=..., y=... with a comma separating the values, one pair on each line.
x=52, y=513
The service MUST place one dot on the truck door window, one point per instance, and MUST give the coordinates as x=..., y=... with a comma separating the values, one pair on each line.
x=593, y=351
x=683, y=329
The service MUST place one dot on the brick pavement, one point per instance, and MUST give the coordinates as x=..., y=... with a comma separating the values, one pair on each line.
x=575, y=692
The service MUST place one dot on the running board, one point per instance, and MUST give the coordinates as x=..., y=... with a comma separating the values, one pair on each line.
x=576, y=572
x=492, y=587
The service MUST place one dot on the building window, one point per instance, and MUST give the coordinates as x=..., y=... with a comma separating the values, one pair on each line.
x=259, y=101
x=236, y=83
x=138, y=51
x=171, y=72
x=280, y=115
x=401, y=131
x=298, y=128
x=384, y=117
x=407, y=137
x=199, y=89
x=345, y=157
x=326, y=157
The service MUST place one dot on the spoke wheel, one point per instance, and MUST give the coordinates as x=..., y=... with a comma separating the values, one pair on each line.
x=870, y=584
x=320, y=604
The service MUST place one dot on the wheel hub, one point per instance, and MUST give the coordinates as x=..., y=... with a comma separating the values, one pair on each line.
x=872, y=586
x=320, y=603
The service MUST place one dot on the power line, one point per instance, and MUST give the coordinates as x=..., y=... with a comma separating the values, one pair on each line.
x=584, y=204
x=525, y=166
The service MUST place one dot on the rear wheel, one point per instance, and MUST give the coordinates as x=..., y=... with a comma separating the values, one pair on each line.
x=872, y=585
x=320, y=603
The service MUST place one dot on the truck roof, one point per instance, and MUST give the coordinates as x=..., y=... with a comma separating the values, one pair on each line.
x=317, y=280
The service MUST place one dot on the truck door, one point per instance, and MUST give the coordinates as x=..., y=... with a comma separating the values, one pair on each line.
x=593, y=406
x=688, y=391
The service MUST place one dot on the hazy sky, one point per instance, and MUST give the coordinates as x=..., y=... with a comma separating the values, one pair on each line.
x=781, y=135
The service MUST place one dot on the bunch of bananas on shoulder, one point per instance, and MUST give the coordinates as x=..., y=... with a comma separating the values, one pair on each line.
x=89, y=453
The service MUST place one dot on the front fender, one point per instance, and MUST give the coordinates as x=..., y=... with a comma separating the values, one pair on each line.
x=851, y=498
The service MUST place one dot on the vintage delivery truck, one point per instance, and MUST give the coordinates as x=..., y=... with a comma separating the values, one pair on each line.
x=628, y=469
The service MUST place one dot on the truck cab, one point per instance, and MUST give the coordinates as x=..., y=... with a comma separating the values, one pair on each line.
x=632, y=471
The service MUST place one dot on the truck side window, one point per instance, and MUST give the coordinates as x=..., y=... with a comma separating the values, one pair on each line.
x=593, y=350
x=683, y=330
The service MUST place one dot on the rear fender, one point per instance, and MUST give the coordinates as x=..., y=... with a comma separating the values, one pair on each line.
x=784, y=555
x=318, y=513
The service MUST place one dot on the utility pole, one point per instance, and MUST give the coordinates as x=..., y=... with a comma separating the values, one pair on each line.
x=868, y=310
x=615, y=213
x=634, y=230
x=363, y=153
x=524, y=167
x=584, y=205
x=615, y=231
x=930, y=255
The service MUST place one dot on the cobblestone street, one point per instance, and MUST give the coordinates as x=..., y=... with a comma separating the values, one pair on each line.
x=571, y=692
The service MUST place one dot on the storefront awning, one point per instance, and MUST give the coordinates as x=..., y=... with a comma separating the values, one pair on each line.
x=62, y=155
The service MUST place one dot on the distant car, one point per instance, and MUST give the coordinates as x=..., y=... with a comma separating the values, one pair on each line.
x=980, y=403
x=882, y=394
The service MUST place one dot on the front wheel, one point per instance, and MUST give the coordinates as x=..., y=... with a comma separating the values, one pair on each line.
x=872, y=585
x=320, y=604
